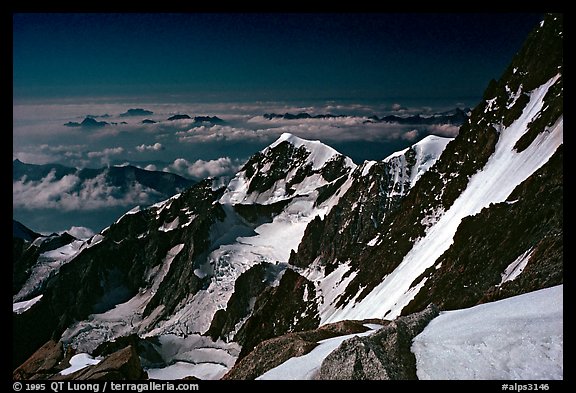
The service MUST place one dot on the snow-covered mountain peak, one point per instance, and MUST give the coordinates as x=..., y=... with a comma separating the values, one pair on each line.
x=320, y=153
x=431, y=144
x=289, y=167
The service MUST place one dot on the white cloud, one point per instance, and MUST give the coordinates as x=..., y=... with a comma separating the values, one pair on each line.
x=83, y=233
x=104, y=155
x=202, y=169
x=70, y=193
x=342, y=129
x=155, y=147
x=106, y=152
x=150, y=167
x=33, y=157
x=410, y=135
x=64, y=149
x=397, y=107
x=448, y=130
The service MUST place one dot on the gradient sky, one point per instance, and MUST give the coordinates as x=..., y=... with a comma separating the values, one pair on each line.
x=263, y=56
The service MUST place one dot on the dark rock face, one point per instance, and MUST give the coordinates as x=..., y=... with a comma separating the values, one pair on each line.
x=279, y=310
x=355, y=220
x=282, y=158
x=247, y=288
x=257, y=214
x=275, y=351
x=268, y=355
x=20, y=231
x=383, y=355
x=145, y=348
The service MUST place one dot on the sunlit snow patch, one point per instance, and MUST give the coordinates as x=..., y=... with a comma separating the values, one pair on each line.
x=78, y=362
x=21, y=307
x=515, y=338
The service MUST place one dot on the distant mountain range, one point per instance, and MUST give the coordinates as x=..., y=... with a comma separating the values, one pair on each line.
x=88, y=122
x=456, y=116
x=136, y=112
x=91, y=123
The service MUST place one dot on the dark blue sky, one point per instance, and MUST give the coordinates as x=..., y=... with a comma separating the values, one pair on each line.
x=264, y=56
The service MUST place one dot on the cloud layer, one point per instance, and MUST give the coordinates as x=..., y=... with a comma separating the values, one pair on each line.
x=70, y=193
x=40, y=135
x=203, y=169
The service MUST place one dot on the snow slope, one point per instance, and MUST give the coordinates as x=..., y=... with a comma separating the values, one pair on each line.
x=49, y=263
x=504, y=170
x=20, y=307
x=515, y=338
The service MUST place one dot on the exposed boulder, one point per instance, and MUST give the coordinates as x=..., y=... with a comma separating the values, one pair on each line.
x=42, y=364
x=275, y=351
x=384, y=355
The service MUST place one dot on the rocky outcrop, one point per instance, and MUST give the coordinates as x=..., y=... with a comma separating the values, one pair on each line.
x=384, y=355
x=42, y=364
x=273, y=352
x=49, y=360
x=121, y=365
x=146, y=349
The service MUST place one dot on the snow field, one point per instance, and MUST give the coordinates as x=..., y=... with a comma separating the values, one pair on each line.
x=515, y=338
